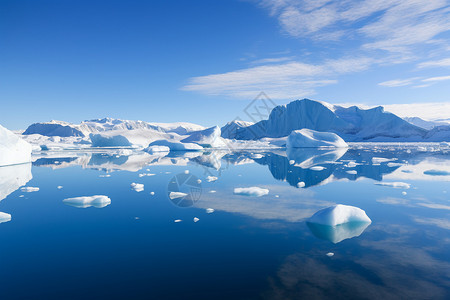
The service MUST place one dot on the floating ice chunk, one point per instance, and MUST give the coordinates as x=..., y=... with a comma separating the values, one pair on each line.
x=330, y=254
x=253, y=191
x=4, y=217
x=146, y=174
x=106, y=175
x=403, y=193
x=175, y=195
x=317, y=168
x=300, y=184
x=393, y=164
x=13, y=149
x=29, y=189
x=59, y=187
x=307, y=138
x=178, y=220
x=177, y=146
x=379, y=160
x=199, y=181
x=352, y=164
x=21, y=196
x=437, y=172
x=291, y=162
x=339, y=214
x=209, y=210
x=157, y=149
x=186, y=171
x=196, y=219
x=211, y=178
x=152, y=193
x=138, y=187
x=212, y=191
x=352, y=172
x=277, y=196
x=401, y=185
x=97, y=201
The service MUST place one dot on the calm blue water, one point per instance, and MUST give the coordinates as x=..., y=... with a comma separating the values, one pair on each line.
x=248, y=248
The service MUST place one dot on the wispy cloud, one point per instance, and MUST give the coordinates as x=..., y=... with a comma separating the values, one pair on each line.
x=435, y=63
x=398, y=82
x=281, y=81
x=434, y=79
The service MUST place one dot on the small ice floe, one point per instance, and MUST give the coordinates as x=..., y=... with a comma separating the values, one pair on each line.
x=199, y=181
x=138, y=187
x=175, y=195
x=146, y=174
x=277, y=196
x=4, y=217
x=379, y=160
x=301, y=184
x=437, y=172
x=403, y=193
x=152, y=193
x=212, y=191
x=339, y=214
x=253, y=191
x=352, y=164
x=59, y=187
x=393, y=164
x=209, y=210
x=21, y=196
x=136, y=218
x=97, y=201
x=317, y=168
x=307, y=138
x=186, y=171
x=398, y=185
x=330, y=254
x=106, y=175
x=177, y=220
x=352, y=172
x=167, y=172
x=196, y=219
x=291, y=162
x=211, y=178
x=29, y=189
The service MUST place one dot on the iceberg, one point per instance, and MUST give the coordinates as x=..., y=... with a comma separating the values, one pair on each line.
x=307, y=138
x=339, y=214
x=209, y=138
x=401, y=185
x=157, y=149
x=253, y=191
x=13, y=149
x=97, y=201
x=177, y=146
x=4, y=217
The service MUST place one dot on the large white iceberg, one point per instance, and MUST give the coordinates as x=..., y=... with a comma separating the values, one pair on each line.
x=13, y=150
x=339, y=214
x=177, y=146
x=307, y=138
x=97, y=201
x=209, y=137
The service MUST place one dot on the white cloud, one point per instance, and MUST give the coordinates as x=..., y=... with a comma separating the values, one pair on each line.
x=435, y=63
x=280, y=81
x=398, y=82
x=439, y=78
x=427, y=111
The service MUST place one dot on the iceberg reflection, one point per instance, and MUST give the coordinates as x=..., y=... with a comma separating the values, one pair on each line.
x=338, y=233
x=13, y=177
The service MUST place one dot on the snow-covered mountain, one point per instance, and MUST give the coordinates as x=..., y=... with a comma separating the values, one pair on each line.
x=65, y=129
x=424, y=123
x=351, y=123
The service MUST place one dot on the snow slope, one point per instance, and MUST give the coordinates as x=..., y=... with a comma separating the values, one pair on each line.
x=13, y=149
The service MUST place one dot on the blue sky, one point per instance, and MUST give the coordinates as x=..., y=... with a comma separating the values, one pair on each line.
x=204, y=61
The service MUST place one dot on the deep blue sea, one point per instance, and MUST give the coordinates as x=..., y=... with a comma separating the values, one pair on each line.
x=249, y=247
